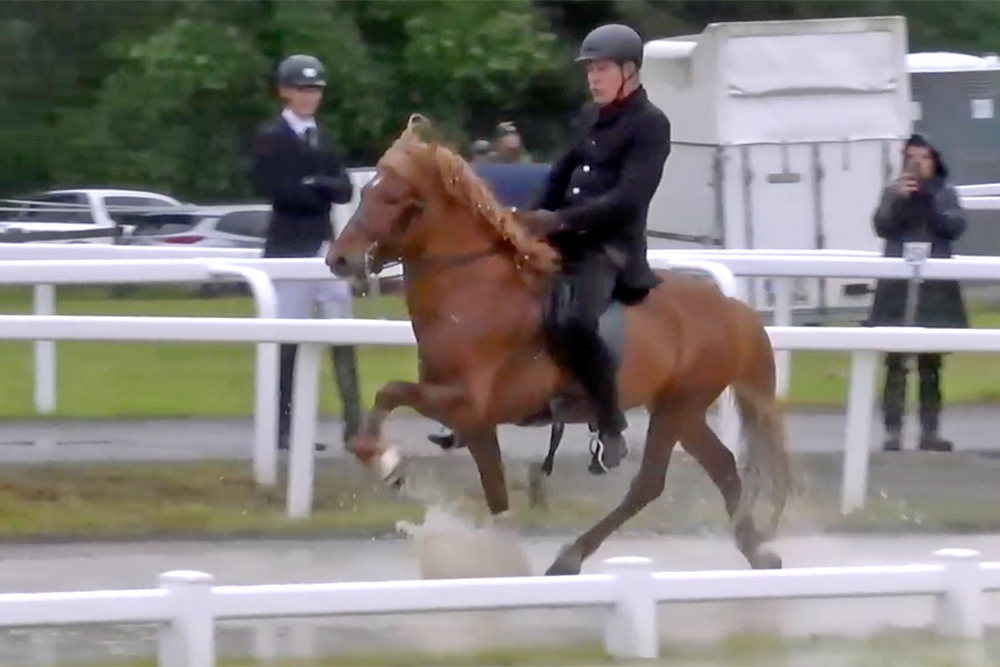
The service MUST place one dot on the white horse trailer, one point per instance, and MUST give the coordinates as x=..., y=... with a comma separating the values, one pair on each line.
x=784, y=133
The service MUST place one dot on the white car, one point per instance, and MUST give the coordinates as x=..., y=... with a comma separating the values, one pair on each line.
x=219, y=226
x=82, y=210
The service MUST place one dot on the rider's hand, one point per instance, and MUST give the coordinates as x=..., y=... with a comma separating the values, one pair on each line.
x=907, y=184
x=540, y=222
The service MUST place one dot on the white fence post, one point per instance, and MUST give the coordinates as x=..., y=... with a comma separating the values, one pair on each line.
x=189, y=639
x=44, y=298
x=631, y=630
x=857, y=445
x=305, y=403
x=959, y=611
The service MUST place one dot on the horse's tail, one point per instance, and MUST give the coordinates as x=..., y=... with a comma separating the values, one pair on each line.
x=765, y=459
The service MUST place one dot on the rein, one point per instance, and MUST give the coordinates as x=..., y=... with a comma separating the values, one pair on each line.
x=430, y=264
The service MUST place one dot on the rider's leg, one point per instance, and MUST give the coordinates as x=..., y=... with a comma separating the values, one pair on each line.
x=581, y=349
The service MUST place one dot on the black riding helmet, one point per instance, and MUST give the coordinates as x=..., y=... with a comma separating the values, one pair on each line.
x=615, y=42
x=301, y=71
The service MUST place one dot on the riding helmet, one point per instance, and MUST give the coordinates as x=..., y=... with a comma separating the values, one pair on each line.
x=613, y=41
x=301, y=71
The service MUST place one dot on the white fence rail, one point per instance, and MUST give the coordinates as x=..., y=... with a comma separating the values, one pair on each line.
x=187, y=605
x=78, y=264
x=865, y=344
x=45, y=266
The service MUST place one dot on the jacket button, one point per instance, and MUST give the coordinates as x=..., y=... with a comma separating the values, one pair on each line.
x=586, y=168
x=576, y=191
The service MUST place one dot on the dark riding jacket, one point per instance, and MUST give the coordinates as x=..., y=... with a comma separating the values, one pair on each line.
x=934, y=215
x=603, y=185
x=300, y=217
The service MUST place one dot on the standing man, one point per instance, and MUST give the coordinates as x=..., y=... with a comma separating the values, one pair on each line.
x=302, y=177
x=921, y=206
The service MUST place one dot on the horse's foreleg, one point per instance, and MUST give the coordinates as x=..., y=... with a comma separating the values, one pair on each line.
x=485, y=450
x=434, y=401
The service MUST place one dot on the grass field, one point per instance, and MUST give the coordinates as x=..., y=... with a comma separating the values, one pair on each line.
x=922, y=493
x=902, y=649
x=116, y=380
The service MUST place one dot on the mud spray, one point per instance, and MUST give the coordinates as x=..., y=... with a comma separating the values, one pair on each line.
x=451, y=543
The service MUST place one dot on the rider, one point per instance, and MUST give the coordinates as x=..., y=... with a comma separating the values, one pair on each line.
x=594, y=206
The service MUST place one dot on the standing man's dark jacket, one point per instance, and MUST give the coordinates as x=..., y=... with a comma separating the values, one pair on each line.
x=931, y=215
x=603, y=185
x=302, y=183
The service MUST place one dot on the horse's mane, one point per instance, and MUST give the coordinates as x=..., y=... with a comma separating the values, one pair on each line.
x=466, y=189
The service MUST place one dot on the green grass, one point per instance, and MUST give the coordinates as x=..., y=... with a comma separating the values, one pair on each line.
x=900, y=649
x=138, y=380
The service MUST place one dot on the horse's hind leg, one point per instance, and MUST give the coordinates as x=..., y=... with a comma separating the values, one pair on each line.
x=706, y=448
x=647, y=485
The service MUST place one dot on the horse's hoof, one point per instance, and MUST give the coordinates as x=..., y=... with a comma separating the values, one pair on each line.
x=766, y=560
x=567, y=563
x=391, y=468
x=536, y=487
x=364, y=447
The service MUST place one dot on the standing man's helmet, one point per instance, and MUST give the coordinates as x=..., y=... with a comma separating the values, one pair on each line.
x=301, y=71
x=615, y=42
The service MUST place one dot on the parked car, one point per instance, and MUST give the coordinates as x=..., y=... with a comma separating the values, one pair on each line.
x=85, y=209
x=228, y=226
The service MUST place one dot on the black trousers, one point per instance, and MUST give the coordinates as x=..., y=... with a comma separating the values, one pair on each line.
x=894, y=394
x=345, y=373
x=580, y=295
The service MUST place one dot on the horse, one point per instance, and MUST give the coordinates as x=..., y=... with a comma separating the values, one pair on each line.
x=476, y=285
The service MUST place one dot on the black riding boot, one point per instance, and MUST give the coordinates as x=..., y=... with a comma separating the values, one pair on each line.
x=594, y=368
x=286, y=375
x=894, y=401
x=929, y=366
x=285, y=378
x=345, y=373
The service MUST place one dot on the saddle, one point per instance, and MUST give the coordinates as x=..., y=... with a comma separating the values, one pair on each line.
x=571, y=404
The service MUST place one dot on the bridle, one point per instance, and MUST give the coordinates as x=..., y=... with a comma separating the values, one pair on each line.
x=417, y=265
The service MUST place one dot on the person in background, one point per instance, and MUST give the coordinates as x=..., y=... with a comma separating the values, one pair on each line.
x=921, y=206
x=481, y=151
x=303, y=177
x=508, y=146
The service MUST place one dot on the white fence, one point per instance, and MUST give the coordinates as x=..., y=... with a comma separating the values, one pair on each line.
x=68, y=264
x=187, y=604
x=315, y=335
x=863, y=342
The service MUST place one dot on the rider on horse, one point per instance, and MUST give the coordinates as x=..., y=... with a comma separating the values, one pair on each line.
x=597, y=198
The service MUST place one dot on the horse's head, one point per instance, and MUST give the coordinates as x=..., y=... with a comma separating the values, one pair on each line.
x=391, y=202
x=426, y=204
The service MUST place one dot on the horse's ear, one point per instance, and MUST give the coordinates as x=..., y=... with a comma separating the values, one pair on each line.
x=419, y=127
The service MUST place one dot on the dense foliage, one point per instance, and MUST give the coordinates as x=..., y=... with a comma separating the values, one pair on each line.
x=166, y=94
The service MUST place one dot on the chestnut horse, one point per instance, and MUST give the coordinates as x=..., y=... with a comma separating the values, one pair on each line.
x=475, y=284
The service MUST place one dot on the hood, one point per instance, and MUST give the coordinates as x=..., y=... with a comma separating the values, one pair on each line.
x=924, y=141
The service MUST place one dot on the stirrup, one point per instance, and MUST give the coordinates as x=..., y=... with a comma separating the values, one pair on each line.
x=596, y=448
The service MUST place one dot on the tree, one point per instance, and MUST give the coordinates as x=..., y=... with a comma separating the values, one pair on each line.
x=176, y=115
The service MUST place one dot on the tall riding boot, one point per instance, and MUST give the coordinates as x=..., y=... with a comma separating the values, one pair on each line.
x=594, y=366
x=286, y=383
x=894, y=401
x=286, y=374
x=929, y=366
x=345, y=373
